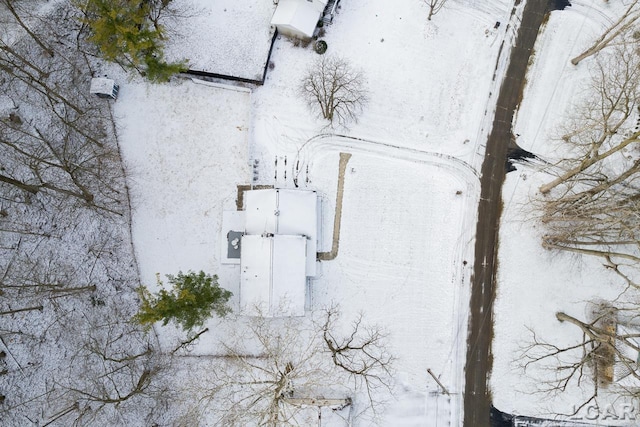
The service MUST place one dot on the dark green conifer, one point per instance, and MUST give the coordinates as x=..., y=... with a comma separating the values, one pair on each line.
x=192, y=299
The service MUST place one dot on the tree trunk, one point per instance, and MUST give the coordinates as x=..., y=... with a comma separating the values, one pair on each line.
x=4, y=47
x=584, y=165
x=33, y=189
x=605, y=39
x=585, y=251
x=593, y=332
x=19, y=310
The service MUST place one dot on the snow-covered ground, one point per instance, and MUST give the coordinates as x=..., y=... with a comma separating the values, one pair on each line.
x=420, y=95
x=185, y=151
x=400, y=263
x=411, y=186
x=410, y=189
x=228, y=37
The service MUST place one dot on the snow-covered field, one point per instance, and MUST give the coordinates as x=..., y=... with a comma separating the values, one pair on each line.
x=400, y=264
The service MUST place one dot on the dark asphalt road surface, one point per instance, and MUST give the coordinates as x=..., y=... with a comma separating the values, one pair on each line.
x=477, y=401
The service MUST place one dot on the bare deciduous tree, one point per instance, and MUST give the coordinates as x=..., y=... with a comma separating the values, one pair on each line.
x=604, y=357
x=337, y=88
x=56, y=138
x=434, y=7
x=63, y=239
x=602, y=127
x=275, y=369
x=360, y=350
x=10, y=6
x=113, y=373
x=591, y=207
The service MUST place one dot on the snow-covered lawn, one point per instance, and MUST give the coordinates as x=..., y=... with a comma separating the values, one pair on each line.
x=185, y=151
x=420, y=94
x=227, y=37
x=399, y=263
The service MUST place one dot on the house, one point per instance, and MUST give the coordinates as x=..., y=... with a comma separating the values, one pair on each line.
x=278, y=251
x=298, y=18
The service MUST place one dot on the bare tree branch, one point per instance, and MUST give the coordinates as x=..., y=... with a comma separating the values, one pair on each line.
x=337, y=88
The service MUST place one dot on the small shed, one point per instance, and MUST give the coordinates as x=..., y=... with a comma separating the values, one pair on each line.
x=103, y=87
x=298, y=18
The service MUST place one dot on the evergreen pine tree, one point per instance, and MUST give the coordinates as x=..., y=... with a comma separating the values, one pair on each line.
x=191, y=301
x=123, y=32
x=159, y=71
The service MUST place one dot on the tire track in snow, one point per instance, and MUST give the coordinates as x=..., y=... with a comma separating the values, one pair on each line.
x=337, y=142
x=463, y=248
x=489, y=11
x=588, y=10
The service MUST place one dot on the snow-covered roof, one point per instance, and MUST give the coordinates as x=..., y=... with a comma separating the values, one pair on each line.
x=278, y=250
x=302, y=15
x=101, y=85
x=284, y=212
x=272, y=275
x=281, y=211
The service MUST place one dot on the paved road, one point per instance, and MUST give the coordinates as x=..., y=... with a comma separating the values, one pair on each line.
x=477, y=400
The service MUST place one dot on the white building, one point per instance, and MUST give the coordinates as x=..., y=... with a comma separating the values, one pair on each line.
x=278, y=251
x=298, y=18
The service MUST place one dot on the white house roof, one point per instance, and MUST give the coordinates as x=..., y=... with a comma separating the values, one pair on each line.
x=281, y=211
x=284, y=212
x=302, y=15
x=272, y=275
